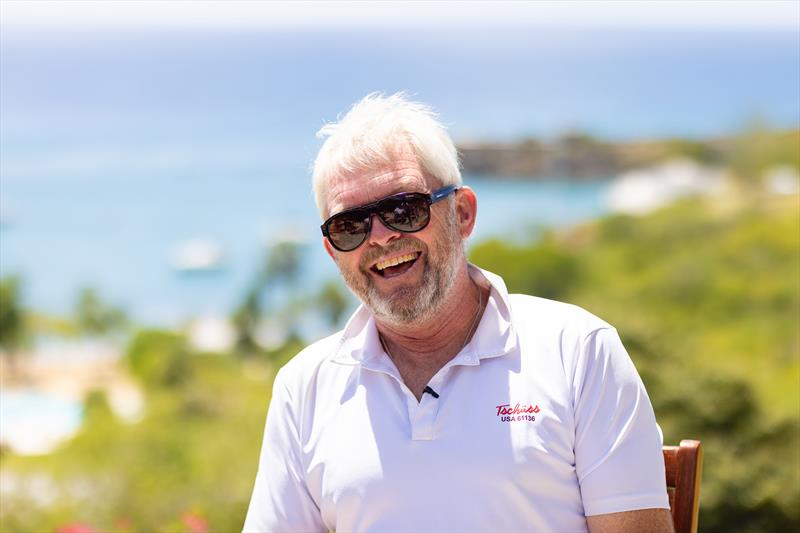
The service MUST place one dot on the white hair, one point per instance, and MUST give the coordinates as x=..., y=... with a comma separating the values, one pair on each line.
x=370, y=135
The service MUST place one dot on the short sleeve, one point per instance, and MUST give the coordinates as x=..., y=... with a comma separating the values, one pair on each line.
x=280, y=500
x=618, y=457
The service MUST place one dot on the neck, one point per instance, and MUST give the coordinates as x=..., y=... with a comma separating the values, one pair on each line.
x=438, y=339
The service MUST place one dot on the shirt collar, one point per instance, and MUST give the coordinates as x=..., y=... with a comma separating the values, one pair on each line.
x=494, y=336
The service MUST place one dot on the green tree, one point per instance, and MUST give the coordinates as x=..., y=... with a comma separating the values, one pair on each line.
x=283, y=263
x=280, y=271
x=245, y=319
x=12, y=323
x=760, y=147
x=94, y=316
x=159, y=358
x=332, y=301
x=545, y=269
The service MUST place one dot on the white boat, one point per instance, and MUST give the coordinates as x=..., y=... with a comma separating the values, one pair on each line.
x=641, y=191
x=197, y=255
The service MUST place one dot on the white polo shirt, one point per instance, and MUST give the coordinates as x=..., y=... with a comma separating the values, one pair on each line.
x=541, y=420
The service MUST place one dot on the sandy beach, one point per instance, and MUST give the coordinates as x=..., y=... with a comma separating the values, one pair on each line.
x=44, y=390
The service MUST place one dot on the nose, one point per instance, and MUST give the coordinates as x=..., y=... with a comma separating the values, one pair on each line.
x=380, y=233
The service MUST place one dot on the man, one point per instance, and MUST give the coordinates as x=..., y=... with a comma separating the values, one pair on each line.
x=446, y=404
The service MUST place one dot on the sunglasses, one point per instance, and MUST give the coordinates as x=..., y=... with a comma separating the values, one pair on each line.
x=407, y=212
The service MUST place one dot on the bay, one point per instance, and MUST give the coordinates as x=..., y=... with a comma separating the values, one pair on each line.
x=116, y=235
x=118, y=148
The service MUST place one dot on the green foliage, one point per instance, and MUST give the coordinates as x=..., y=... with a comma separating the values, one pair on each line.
x=11, y=315
x=281, y=268
x=159, y=358
x=282, y=355
x=245, y=320
x=94, y=316
x=759, y=147
x=192, y=457
x=707, y=299
x=283, y=263
x=697, y=150
x=546, y=269
x=332, y=302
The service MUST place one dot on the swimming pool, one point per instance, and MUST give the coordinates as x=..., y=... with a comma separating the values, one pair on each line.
x=34, y=422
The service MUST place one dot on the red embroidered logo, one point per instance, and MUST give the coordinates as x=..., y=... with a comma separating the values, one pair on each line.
x=519, y=413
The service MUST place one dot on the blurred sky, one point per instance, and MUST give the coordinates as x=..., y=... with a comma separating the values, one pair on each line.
x=493, y=69
x=128, y=128
x=337, y=14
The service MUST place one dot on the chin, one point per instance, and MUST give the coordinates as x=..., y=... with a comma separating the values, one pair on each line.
x=407, y=306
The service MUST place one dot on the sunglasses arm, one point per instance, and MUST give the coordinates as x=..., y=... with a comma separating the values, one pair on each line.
x=442, y=193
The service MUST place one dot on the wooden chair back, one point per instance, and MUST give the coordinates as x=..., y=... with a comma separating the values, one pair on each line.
x=684, y=465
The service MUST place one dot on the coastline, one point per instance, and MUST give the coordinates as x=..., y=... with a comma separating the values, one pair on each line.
x=582, y=157
x=45, y=389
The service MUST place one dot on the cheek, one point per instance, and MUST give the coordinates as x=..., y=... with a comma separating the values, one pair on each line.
x=449, y=239
x=347, y=261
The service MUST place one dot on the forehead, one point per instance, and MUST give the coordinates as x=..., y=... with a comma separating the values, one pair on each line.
x=349, y=190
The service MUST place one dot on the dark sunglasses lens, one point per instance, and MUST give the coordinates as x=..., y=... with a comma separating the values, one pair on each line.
x=348, y=230
x=408, y=213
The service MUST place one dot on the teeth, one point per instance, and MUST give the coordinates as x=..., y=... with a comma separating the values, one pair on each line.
x=395, y=261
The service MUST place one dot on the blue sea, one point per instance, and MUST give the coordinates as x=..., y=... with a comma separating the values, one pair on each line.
x=116, y=148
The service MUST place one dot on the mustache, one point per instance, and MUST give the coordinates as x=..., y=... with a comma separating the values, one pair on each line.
x=374, y=253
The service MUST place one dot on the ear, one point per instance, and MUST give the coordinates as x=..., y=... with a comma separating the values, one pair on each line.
x=466, y=210
x=328, y=247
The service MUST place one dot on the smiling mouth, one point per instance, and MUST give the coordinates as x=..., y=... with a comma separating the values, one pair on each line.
x=395, y=266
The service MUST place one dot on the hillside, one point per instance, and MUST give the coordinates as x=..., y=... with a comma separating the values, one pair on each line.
x=583, y=157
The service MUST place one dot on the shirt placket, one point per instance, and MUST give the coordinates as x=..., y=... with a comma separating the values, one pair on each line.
x=423, y=426
x=422, y=413
x=422, y=416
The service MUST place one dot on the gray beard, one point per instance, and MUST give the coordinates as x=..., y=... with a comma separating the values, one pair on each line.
x=415, y=305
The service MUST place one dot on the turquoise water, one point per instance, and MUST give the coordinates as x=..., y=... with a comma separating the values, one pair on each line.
x=32, y=421
x=117, y=148
x=116, y=234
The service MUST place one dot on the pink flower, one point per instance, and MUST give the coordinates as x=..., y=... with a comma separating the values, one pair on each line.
x=195, y=522
x=76, y=528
